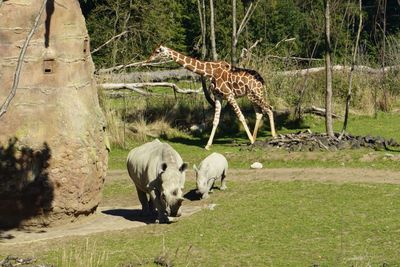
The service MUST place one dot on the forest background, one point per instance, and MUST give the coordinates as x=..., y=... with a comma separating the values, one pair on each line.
x=279, y=37
x=297, y=25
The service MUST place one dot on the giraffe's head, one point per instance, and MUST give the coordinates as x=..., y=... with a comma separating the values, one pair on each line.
x=159, y=54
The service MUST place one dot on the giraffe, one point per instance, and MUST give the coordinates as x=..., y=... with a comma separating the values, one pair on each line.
x=227, y=83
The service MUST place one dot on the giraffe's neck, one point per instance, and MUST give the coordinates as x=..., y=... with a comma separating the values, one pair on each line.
x=192, y=64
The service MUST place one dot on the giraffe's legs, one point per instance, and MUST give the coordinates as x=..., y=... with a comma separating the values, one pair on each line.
x=271, y=121
x=217, y=114
x=260, y=103
x=259, y=116
x=231, y=100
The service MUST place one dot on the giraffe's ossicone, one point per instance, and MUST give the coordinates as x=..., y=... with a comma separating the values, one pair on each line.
x=227, y=82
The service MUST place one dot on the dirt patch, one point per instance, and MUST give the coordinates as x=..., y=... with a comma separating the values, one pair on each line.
x=126, y=216
x=105, y=219
x=339, y=175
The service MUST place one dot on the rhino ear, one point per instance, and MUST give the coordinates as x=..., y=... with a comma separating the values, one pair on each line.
x=183, y=167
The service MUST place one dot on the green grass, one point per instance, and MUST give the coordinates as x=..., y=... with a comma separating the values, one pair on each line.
x=265, y=223
x=259, y=223
x=239, y=156
x=386, y=125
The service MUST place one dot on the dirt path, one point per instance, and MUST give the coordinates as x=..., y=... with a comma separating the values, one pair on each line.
x=125, y=216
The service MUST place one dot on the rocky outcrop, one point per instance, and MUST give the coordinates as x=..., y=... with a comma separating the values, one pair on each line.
x=53, y=156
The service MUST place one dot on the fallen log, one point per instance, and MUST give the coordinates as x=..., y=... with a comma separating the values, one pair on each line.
x=137, y=87
x=134, y=64
x=150, y=76
x=358, y=68
x=318, y=111
x=310, y=110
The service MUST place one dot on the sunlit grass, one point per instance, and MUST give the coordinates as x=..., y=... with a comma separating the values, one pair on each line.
x=240, y=156
x=262, y=223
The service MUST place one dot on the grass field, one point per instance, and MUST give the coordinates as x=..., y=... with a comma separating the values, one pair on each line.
x=239, y=156
x=260, y=224
x=257, y=222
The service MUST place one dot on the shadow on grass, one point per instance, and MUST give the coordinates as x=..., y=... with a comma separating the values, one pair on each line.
x=192, y=195
x=132, y=215
x=200, y=142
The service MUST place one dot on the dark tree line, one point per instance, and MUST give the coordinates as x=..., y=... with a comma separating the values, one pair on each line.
x=287, y=28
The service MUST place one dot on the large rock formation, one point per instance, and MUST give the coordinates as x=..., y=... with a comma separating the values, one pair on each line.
x=53, y=156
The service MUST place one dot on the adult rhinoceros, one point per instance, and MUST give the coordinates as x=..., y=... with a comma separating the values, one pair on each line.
x=158, y=172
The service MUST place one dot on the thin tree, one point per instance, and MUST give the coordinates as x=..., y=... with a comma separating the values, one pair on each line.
x=237, y=31
x=383, y=55
x=114, y=51
x=234, y=36
x=202, y=15
x=353, y=63
x=203, y=30
x=212, y=31
x=328, y=68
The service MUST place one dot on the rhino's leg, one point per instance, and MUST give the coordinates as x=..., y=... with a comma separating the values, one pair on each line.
x=144, y=201
x=151, y=206
x=223, y=183
x=162, y=217
x=210, y=185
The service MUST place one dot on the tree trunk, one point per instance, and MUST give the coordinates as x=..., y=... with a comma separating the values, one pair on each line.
x=202, y=15
x=212, y=32
x=236, y=32
x=353, y=63
x=115, y=30
x=234, y=36
x=385, y=92
x=328, y=66
x=204, y=30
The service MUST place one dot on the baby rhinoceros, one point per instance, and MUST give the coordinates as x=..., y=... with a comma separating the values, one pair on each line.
x=158, y=172
x=213, y=167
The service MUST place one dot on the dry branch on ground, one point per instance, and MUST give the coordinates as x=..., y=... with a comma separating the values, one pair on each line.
x=137, y=87
x=308, y=141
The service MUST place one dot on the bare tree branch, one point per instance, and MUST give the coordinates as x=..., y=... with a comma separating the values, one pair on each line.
x=17, y=73
x=246, y=52
x=120, y=86
x=134, y=64
x=295, y=58
x=246, y=18
x=109, y=41
x=236, y=32
x=285, y=39
x=136, y=87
